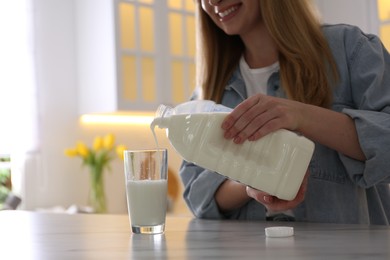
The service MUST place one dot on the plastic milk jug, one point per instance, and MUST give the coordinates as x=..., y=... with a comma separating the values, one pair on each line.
x=275, y=164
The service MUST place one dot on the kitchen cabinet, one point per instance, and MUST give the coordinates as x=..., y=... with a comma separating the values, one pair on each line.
x=134, y=55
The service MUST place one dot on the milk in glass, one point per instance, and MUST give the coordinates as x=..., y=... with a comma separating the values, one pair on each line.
x=147, y=201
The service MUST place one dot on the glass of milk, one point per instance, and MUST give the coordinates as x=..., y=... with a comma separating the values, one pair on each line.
x=146, y=188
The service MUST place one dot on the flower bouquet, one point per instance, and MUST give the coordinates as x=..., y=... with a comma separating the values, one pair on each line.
x=97, y=159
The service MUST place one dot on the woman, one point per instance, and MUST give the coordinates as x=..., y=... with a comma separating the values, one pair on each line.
x=278, y=67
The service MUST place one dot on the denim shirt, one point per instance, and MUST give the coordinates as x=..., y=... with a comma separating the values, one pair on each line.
x=340, y=189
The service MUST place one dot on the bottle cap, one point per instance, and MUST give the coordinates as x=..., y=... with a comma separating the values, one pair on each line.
x=279, y=231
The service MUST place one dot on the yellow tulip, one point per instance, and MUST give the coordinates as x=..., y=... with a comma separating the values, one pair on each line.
x=119, y=150
x=82, y=149
x=108, y=141
x=71, y=152
x=99, y=154
x=98, y=143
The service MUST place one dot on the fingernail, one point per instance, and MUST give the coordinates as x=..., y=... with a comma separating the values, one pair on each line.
x=237, y=140
x=225, y=125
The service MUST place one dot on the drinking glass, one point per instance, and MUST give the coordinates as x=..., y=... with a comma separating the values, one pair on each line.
x=146, y=188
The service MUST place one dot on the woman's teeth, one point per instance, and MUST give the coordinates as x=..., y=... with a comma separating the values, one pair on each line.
x=228, y=11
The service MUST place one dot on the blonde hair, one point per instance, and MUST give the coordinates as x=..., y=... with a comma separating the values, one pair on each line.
x=307, y=67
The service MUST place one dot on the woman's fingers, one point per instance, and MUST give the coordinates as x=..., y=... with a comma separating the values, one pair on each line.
x=271, y=202
x=240, y=117
x=258, y=195
x=275, y=204
x=245, y=119
x=260, y=115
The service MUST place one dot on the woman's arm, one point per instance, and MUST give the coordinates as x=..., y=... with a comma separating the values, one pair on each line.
x=200, y=187
x=332, y=129
x=231, y=195
x=260, y=114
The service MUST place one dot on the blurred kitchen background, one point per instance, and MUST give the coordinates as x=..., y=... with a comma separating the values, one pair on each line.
x=74, y=69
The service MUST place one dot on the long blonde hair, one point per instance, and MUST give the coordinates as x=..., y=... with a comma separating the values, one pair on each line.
x=307, y=67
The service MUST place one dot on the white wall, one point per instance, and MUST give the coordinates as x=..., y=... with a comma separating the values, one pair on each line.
x=362, y=13
x=55, y=179
x=56, y=80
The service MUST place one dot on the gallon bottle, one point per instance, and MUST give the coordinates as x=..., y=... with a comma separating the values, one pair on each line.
x=275, y=163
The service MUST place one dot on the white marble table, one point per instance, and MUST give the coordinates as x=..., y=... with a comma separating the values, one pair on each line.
x=28, y=235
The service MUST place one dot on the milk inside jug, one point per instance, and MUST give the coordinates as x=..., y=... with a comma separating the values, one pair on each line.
x=275, y=163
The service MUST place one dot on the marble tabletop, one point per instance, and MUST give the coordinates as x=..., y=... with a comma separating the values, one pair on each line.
x=31, y=235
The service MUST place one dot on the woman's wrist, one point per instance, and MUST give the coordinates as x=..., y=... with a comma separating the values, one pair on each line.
x=231, y=195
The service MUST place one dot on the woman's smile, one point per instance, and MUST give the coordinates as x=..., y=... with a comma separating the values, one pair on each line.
x=234, y=17
x=227, y=13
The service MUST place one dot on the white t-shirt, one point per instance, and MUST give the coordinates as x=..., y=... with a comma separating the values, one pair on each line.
x=256, y=79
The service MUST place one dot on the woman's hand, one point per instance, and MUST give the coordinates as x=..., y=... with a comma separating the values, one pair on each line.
x=272, y=203
x=260, y=115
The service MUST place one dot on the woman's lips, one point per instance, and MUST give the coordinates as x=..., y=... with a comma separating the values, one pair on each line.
x=227, y=13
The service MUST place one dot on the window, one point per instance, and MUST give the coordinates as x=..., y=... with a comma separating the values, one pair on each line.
x=384, y=18
x=156, y=49
x=182, y=48
x=18, y=107
x=18, y=98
